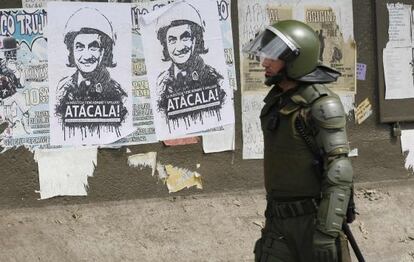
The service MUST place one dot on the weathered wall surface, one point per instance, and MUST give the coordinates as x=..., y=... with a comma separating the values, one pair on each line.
x=379, y=157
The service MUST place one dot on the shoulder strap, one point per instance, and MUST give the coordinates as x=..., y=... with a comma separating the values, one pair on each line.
x=301, y=129
x=310, y=142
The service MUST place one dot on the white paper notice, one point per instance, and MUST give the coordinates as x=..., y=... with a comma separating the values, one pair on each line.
x=398, y=73
x=252, y=103
x=219, y=141
x=399, y=29
x=89, y=72
x=187, y=74
x=65, y=172
x=407, y=146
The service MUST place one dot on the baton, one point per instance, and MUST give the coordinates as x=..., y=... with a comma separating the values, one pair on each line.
x=354, y=245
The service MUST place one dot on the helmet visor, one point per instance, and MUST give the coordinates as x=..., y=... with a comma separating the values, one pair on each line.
x=268, y=45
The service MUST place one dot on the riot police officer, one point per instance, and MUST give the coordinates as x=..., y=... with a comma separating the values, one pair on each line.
x=308, y=176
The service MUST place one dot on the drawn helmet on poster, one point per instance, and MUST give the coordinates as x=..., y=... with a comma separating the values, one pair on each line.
x=89, y=18
x=297, y=44
x=89, y=21
x=8, y=48
x=182, y=13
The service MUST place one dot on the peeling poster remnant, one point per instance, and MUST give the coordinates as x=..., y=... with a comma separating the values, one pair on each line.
x=162, y=173
x=59, y=176
x=180, y=178
x=407, y=147
x=348, y=101
x=144, y=160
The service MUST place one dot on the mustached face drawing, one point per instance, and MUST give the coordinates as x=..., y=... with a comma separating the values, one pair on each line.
x=180, y=43
x=87, y=52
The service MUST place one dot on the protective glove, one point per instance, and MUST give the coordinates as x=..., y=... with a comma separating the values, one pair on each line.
x=324, y=247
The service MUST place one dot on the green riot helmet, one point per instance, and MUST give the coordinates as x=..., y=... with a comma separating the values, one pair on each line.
x=297, y=44
x=291, y=41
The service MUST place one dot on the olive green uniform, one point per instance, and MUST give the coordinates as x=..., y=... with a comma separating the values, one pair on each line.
x=307, y=191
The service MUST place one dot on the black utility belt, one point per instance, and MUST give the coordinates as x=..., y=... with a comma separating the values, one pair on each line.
x=291, y=208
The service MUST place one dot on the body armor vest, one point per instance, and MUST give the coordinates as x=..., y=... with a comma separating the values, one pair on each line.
x=290, y=169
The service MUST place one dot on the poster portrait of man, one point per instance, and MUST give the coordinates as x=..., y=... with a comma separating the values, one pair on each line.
x=91, y=102
x=187, y=76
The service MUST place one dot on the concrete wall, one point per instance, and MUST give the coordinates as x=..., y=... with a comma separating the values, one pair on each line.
x=379, y=158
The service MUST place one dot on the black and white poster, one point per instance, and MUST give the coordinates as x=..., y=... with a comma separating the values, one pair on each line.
x=89, y=59
x=187, y=74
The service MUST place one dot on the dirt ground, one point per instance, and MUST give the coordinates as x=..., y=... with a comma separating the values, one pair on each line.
x=219, y=227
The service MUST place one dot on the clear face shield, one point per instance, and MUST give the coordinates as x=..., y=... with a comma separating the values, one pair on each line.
x=273, y=45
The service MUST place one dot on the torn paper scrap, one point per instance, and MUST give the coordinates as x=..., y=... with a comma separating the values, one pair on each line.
x=219, y=141
x=353, y=153
x=162, y=173
x=363, y=111
x=407, y=146
x=348, y=101
x=65, y=171
x=144, y=160
x=180, y=178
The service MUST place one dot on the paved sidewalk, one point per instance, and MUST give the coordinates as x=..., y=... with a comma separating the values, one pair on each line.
x=220, y=227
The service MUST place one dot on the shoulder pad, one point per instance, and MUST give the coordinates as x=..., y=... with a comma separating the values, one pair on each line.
x=328, y=112
x=308, y=94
